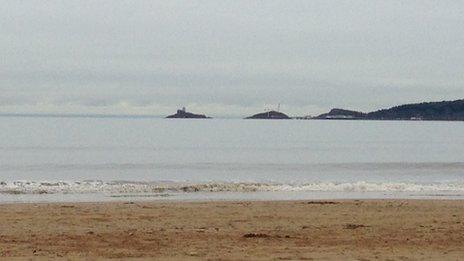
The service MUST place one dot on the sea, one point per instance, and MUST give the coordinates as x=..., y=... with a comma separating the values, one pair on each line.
x=93, y=159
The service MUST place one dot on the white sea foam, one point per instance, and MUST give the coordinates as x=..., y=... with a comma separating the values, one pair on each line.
x=121, y=187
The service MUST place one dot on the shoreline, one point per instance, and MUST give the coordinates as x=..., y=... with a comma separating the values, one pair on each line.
x=304, y=229
x=204, y=197
x=128, y=201
x=167, y=200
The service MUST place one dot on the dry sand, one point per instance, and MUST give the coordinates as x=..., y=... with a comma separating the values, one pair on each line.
x=296, y=230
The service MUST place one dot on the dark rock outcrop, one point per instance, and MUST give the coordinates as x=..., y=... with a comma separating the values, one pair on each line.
x=270, y=115
x=182, y=114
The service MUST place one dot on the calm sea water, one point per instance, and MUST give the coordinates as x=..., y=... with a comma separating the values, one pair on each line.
x=113, y=158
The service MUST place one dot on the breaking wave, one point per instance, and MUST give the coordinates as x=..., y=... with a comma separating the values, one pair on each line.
x=121, y=187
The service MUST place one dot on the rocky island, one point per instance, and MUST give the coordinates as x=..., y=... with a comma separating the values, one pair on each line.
x=183, y=114
x=427, y=111
x=270, y=115
x=341, y=114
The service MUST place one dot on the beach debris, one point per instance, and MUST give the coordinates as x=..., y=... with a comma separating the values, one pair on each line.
x=193, y=253
x=310, y=226
x=131, y=232
x=321, y=202
x=256, y=235
x=354, y=226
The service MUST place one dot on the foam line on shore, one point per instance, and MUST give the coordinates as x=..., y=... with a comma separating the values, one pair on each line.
x=119, y=187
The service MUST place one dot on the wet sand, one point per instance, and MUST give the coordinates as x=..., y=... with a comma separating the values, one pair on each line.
x=295, y=230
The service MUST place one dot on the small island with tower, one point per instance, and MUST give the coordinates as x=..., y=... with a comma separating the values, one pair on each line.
x=183, y=114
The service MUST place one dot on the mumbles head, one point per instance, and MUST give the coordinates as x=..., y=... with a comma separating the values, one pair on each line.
x=232, y=130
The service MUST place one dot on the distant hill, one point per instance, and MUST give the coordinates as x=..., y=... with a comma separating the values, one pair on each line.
x=444, y=111
x=182, y=114
x=270, y=115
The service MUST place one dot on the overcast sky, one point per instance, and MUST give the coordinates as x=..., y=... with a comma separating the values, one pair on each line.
x=227, y=58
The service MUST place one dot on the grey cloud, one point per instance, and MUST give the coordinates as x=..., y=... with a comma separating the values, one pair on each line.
x=239, y=54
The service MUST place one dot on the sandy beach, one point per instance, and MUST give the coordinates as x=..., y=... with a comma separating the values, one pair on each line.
x=295, y=230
